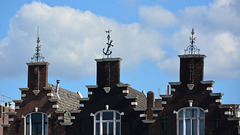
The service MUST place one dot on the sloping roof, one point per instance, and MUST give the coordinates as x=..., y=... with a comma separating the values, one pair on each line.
x=68, y=101
x=141, y=98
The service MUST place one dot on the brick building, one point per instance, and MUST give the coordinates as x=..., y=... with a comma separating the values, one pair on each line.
x=114, y=108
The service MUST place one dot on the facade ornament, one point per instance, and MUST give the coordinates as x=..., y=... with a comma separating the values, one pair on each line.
x=192, y=49
x=37, y=57
x=108, y=52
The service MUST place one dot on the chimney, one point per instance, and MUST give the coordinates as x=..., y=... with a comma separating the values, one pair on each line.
x=37, y=75
x=108, y=71
x=150, y=103
x=191, y=68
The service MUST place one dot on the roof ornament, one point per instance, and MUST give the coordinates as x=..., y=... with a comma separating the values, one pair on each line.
x=109, y=43
x=191, y=49
x=37, y=57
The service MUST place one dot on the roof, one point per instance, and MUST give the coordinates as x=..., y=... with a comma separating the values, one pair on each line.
x=68, y=101
x=141, y=98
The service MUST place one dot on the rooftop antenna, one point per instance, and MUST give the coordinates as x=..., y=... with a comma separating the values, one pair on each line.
x=37, y=57
x=191, y=49
x=109, y=43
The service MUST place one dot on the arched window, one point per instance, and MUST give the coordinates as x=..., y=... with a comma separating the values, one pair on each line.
x=191, y=121
x=107, y=122
x=36, y=124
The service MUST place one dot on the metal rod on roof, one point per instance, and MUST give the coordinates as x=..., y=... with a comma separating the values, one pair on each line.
x=57, y=88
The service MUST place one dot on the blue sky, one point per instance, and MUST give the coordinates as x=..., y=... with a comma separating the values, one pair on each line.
x=148, y=35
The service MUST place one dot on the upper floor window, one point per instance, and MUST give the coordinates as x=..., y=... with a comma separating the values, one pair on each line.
x=107, y=122
x=36, y=124
x=191, y=121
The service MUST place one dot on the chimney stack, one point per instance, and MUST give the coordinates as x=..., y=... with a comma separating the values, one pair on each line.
x=108, y=71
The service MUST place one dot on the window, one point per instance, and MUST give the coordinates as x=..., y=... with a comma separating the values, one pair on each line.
x=36, y=124
x=107, y=122
x=191, y=121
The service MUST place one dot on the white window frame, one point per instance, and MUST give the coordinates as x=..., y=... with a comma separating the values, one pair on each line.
x=30, y=123
x=101, y=121
x=198, y=118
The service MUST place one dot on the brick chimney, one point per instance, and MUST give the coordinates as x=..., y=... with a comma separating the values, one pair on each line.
x=191, y=68
x=108, y=71
x=37, y=75
x=150, y=103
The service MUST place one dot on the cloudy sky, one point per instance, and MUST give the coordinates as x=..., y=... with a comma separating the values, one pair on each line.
x=148, y=35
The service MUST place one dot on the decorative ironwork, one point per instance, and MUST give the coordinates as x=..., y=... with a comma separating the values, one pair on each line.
x=37, y=57
x=109, y=43
x=192, y=49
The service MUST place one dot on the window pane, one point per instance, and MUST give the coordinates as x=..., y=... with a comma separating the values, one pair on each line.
x=36, y=118
x=202, y=127
x=45, y=125
x=194, y=127
x=107, y=115
x=97, y=129
x=105, y=128
x=118, y=128
x=180, y=114
x=180, y=127
x=188, y=127
x=36, y=123
x=188, y=113
x=191, y=113
x=117, y=116
x=110, y=128
x=202, y=113
x=27, y=125
x=98, y=116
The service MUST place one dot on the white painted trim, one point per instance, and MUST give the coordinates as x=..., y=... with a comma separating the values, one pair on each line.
x=60, y=117
x=17, y=107
x=134, y=103
x=218, y=100
x=90, y=92
x=49, y=94
x=55, y=106
x=10, y=119
x=142, y=115
x=23, y=95
x=209, y=88
x=164, y=102
x=125, y=91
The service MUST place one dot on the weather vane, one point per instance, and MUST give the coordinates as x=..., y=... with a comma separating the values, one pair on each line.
x=192, y=48
x=109, y=43
x=37, y=57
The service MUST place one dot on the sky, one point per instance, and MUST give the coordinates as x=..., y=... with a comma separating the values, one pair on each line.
x=147, y=34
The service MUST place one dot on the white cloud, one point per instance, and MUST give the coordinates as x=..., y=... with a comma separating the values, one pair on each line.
x=71, y=40
x=217, y=28
x=157, y=16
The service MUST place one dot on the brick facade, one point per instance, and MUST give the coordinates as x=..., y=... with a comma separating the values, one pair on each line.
x=70, y=114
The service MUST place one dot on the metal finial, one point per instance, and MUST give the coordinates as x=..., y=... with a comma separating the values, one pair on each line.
x=109, y=43
x=37, y=57
x=191, y=49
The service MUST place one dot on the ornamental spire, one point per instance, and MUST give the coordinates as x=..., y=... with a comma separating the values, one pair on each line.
x=192, y=49
x=37, y=57
x=109, y=43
